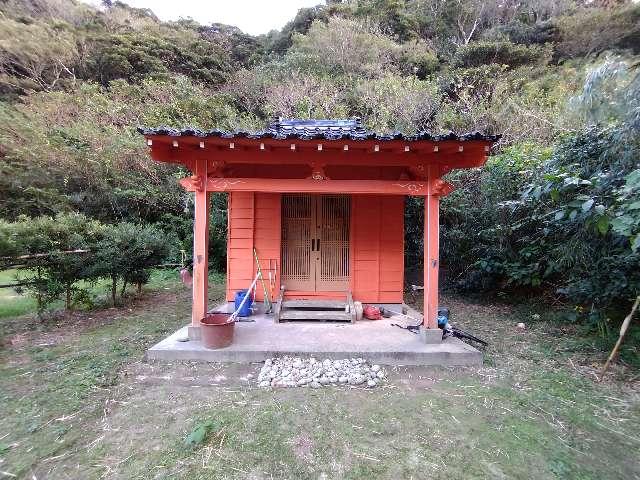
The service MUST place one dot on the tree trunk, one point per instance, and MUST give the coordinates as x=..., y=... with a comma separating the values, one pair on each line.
x=124, y=287
x=139, y=288
x=114, y=289
x=39, y=294
x=68, y=299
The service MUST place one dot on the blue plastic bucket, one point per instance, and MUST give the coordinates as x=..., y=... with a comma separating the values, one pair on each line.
x=245, y=311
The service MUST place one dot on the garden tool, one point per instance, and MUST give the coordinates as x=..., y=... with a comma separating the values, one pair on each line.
x=267, y=299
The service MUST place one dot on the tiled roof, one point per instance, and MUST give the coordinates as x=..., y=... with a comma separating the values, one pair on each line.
x=346, y=129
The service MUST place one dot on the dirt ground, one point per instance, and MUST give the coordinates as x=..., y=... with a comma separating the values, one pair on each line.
x=78, y=400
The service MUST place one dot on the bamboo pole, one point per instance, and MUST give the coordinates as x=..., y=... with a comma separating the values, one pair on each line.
x=40, y=255
x=623, y=331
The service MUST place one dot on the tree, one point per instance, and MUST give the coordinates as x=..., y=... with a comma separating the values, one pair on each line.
x=127, y=251
x=343, y=46
x=35, y=56
x=56, y=250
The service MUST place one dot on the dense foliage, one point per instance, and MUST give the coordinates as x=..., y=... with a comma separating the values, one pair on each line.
x=56, y=253
x=555, y=210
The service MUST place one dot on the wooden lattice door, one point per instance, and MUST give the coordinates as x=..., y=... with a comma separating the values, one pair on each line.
x=333, y=214
x=315, y=242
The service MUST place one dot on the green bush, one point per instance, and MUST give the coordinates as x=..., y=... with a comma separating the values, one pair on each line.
x=58, y=252
x=49, y=244
x=585, y=209
x=565, y=219
x=126, y=252
x=525, y=33
x=503, y=53
x=595, y=30
x=418, y=58
x=134, y=56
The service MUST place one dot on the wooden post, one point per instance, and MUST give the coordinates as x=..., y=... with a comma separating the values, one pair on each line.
x=431, y=254
x=200, y=246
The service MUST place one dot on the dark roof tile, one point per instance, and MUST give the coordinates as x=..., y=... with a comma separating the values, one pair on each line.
x=283, y=129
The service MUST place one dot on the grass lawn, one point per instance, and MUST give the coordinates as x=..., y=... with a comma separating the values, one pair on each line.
x=77, y=400
x=13, y=304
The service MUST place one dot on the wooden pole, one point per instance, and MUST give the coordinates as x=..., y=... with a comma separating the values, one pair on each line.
x=431, y=254
x=623, y=332
x=200, y=247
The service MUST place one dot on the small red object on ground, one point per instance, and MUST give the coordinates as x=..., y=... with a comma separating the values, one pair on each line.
x=371, y=312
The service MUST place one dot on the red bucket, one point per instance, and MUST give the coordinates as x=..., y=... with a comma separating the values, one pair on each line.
x=217, y=330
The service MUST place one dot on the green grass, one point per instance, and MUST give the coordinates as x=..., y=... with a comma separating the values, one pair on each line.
x=13, y=304
x=78, y=401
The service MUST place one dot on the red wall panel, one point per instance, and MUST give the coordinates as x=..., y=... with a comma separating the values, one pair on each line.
x=377, y=241
x=254, y=222
x=377, y=245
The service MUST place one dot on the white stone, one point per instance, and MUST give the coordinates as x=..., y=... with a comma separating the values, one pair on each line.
x=311, y=372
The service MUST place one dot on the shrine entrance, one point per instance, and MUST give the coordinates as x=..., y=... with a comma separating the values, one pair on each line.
x=316, y=242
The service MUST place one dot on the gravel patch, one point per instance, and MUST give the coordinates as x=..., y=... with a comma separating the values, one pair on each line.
x=314, y=373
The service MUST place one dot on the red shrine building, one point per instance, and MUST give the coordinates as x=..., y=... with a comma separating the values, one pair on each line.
x=322, y=204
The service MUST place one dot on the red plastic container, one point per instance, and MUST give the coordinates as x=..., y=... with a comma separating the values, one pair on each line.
x=216, y=330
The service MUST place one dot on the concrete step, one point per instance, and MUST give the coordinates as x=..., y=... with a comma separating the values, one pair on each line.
x=317, y=315
x=314, y=304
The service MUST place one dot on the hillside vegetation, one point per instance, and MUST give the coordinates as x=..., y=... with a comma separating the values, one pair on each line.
x=555, y=212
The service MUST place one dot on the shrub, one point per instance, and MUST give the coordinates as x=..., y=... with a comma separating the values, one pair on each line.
x=62, y=250
x=126, y=252
x=417, y=58
x=49, y=244
x=524, y=33
x=397, y=103
x=567, y=222
x=503, y=53
x=343, y=46
x=594, y=30
x=586, y=208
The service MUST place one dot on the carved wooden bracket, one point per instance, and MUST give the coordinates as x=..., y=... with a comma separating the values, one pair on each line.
x=193, y=183
x=317, y=172
x=441, y=188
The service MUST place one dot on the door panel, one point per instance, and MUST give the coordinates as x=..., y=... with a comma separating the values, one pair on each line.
x=332, y=244
x=298, y=229
x=315, y=242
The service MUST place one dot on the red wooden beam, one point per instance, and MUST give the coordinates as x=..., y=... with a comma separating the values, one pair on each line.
x=372, y=187
x=453, y=154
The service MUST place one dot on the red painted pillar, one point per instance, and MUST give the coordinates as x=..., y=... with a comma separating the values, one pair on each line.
x=431, y=254
x=200, y=246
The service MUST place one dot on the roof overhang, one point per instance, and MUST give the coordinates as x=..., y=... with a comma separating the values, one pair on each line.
x=460, y=152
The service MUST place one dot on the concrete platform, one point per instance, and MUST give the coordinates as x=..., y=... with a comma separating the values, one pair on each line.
x=377, y=341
